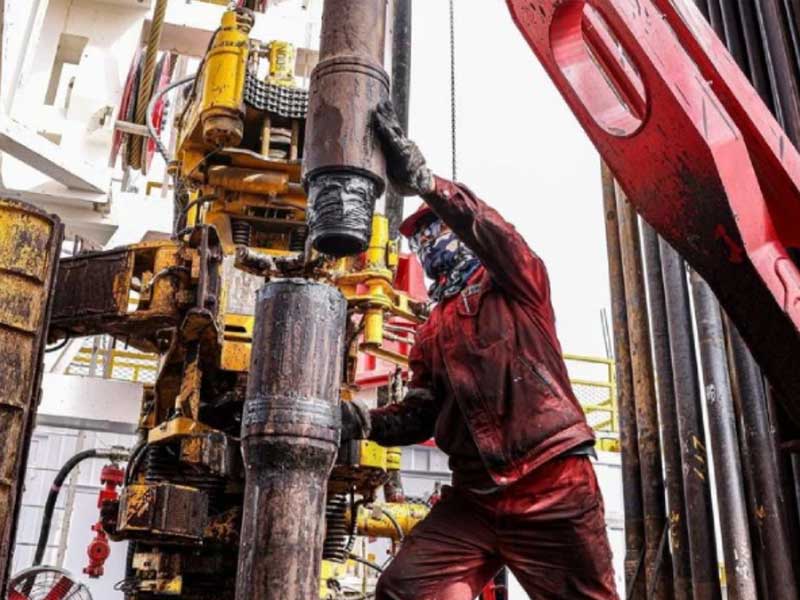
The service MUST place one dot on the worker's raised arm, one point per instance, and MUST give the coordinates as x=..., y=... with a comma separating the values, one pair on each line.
x=497, y=244
x=495, y=241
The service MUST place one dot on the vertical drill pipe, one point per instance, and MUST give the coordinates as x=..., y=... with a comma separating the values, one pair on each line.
x=732, y=34
x=645, y=397
x=401, y=95
x=29, y=248
x=631, y=475
x=345, y=170
x=756, y=60
x=679, y=534
x=736, y=548
x=696, y=488
x=138, y=147
x=781, y=70
x=290, y=434
x=766, y=503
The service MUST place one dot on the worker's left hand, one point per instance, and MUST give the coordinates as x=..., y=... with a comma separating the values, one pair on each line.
x=408, y=171
x=355, y=421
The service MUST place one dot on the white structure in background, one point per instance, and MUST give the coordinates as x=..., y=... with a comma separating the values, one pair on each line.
x=63, y=65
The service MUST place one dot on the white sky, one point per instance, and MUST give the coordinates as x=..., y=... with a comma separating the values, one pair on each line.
x=519, y=148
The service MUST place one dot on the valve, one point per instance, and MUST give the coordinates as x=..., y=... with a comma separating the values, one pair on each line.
x=98, y=551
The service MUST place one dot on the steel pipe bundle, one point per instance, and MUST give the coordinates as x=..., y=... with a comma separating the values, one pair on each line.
x=753, y=480
x=631, y=472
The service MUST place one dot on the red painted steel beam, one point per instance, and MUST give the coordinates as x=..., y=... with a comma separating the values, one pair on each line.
x=695, y=149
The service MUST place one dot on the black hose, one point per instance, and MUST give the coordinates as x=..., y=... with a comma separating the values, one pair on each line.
x=52, y=496
x=366, y=562
x=151, y=128
x=59, y=345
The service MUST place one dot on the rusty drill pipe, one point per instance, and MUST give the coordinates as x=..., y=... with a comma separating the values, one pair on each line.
x=658, y=575
x=29, y=246
x=696, y=486
x=345, y=170
x=737, y=551
x=631, y=474
x=401, y=95
x=290, y=436
x=679, y=534
x=766, y=503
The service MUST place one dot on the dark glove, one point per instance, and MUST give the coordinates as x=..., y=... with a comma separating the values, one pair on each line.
x=355, y=421
x=408, y=172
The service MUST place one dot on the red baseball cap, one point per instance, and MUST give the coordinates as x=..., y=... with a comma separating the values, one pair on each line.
x=421, y=216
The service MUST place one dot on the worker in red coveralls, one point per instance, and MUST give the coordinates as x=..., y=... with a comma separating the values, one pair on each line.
x=489, y=384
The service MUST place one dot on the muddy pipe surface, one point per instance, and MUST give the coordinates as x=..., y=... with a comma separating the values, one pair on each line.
x=290, y=435
x=737, y=552
x=344, y=166
x=631, y=475
x=678, y=532
x=658, y=573
x=767, y=506
x=691, y=433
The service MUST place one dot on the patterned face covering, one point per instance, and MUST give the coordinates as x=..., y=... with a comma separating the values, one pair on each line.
x=444, y=258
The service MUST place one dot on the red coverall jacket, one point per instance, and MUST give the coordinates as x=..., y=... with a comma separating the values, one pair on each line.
x=493, y=351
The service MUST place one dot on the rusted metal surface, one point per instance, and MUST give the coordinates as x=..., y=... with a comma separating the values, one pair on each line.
x=290, y=433
x=345, y=171
x=30, y=241
x=135, y=292
x=737, y=552
x=658, y=575
x=163, y=511
x=696, y=478
x=678, y=531
x=695, y=149
x=766, y=503
x=631, y=475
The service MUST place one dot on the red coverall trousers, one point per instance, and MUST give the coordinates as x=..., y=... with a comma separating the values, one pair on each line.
x=547, y=528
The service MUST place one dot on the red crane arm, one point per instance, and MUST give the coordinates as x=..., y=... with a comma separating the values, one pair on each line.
x=696, y=150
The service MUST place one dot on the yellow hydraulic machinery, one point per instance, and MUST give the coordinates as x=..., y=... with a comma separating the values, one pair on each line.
x=240, y=220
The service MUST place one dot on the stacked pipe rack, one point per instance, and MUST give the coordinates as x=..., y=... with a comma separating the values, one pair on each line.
x=695, y=410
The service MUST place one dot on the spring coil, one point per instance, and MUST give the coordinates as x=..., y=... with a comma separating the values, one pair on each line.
x=336, y=529
x=297, y=239
x=162, y=465
x=240, y=231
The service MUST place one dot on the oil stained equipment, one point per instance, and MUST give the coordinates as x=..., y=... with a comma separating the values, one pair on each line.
x=241, y=142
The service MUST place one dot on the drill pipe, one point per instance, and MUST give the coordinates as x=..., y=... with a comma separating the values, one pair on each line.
x=765, y=500
x=345, y=171
x=782, y=74
x=658, y=575
x=736, y=548
x=696, y=489
x=631, y=475
x=679, y=534
x=401, y=94
x=290, y=434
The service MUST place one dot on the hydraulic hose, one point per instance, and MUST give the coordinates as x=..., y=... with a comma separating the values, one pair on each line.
x=113, y=454
x=151, y=128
